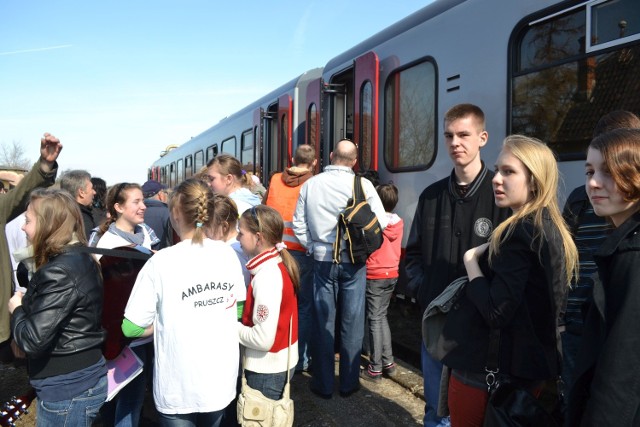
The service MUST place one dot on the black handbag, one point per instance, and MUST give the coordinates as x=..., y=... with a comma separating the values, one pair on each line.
x=510, y=405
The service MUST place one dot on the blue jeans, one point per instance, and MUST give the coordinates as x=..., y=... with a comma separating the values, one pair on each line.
x=79, y=411
x=305, y=308
x=344, y=282
x=431, y=374
x=200, y=419
x=271, y=385
x=378, y=297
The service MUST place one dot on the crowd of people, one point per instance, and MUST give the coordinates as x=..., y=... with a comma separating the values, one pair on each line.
x=244, y=276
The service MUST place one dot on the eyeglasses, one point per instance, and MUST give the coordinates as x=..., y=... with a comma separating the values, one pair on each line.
x=254, y=214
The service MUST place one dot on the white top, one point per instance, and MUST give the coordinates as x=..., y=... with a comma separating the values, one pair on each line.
x=188, y=292
x=16, y=239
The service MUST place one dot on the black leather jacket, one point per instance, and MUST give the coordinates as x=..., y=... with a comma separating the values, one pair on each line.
x=58, y=325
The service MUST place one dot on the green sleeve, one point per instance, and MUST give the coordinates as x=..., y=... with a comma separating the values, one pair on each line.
x=240, y=309
x=131, y=330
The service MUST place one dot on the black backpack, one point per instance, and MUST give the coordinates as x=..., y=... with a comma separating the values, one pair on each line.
x=359, y=226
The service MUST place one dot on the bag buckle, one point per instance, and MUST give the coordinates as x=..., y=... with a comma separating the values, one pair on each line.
x=491, y=378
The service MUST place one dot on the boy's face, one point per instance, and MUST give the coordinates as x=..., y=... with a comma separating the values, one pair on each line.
x=463, y=138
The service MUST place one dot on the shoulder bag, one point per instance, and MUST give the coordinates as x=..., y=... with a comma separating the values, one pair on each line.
x=256, y=410
x=510, y=405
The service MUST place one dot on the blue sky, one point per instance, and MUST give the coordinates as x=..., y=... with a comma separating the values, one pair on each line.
x=117, y=81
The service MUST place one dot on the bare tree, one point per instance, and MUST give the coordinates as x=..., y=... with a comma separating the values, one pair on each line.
x=13, y=156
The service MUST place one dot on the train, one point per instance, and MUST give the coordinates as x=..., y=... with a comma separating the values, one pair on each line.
x=545, y=68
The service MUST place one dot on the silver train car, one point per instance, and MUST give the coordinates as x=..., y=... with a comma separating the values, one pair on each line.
x=544, y=68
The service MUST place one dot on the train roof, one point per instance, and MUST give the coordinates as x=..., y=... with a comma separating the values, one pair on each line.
x=416, y=18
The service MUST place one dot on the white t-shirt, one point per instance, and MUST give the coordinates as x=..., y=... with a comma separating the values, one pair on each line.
x=188, y=292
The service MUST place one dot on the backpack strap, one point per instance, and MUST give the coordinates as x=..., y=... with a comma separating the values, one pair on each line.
x=357, y=195
x=358, y=191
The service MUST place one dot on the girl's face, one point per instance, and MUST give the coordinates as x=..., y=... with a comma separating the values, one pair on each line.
x=30, y=223
x=248, y=240
x=511, y=183
x=132, y=210
x=604, y=194
x=219, y=183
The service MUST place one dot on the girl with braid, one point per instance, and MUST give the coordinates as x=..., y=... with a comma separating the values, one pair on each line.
x=271, y=303
x=187, y=294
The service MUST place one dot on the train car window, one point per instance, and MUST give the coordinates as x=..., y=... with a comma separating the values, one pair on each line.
x=366, y=126
x=312, y=124
x=246, y=153
x=410, y=118
x=179, y=171
x=188, y=167
x=229, y=146
x=165, y=175
x=559, y=90
x=198, y=162
x=212, y=152
x=172, y=175
x=610, y=22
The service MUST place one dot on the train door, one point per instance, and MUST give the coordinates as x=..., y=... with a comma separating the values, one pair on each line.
x=352, y=99
x=285, y=131
x=313, y=120
x=258, y=137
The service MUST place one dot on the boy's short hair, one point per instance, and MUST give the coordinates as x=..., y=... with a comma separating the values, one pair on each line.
x=461, y=111
x=305, y=155
x=388, y=194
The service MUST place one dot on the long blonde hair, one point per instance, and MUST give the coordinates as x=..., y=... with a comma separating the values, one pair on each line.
x=58, y=222
x=541, y=164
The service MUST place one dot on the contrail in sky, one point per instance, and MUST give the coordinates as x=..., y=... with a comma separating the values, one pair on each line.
x=15, y=52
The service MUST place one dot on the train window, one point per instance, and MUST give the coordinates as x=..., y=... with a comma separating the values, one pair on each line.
x=172, y=175
x=229, y=146
x=198, y=161
x=165, y=175
x=212, y=152
x=409, y=117
x=246, y=153
x=611, y=22
x=179, y=171
x=188, y=167
x=312, y=124
x=560, y=92
x=366, y=126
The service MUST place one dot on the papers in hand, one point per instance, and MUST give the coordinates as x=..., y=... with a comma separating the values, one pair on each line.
x=121, y=371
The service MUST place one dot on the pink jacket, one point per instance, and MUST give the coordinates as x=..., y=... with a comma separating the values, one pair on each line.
x=383, y=263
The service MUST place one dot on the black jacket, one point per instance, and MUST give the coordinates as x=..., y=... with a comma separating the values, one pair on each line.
x=87, y=219
x=607, y=387
x=444, y=227
x=521, y=295
x=58, y=325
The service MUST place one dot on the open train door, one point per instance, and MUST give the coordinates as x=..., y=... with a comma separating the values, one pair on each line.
x=285, y=131
x=313, y=124
x=365, y=130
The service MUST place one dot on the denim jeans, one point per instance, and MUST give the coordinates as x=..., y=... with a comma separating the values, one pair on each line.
x=305, y=308
x=431, y=374
x=344, y=282
x=271, y=385
x=79, y=411
x=378, y=297
x=200, y=419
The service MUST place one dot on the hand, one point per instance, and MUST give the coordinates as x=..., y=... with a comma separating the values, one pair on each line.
x=474, y=254
x=17, y=353
x=15, y=301
x=50, y=148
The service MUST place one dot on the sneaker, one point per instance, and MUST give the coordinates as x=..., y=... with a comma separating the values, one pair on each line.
x=370, y=375
x=389, y=370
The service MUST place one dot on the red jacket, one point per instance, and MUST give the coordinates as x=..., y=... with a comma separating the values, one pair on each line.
x=383, y=263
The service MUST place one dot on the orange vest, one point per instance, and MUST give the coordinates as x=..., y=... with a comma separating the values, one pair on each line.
x=283, y=198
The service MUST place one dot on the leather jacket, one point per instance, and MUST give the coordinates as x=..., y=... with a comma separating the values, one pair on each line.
x=58, y=325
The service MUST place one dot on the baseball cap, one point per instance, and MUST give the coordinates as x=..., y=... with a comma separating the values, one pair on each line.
x=151, y=188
